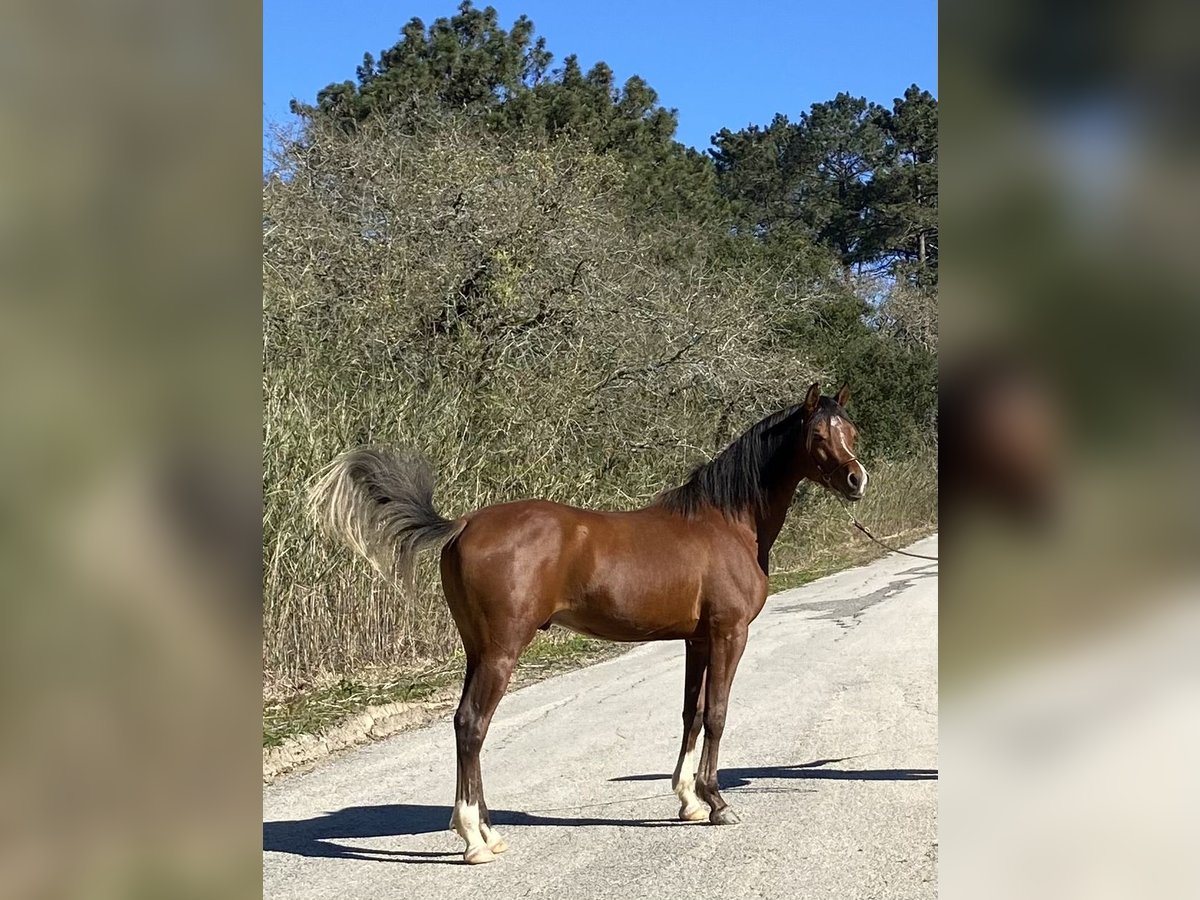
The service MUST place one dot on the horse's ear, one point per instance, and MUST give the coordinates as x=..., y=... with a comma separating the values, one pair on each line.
x=813, y=397
x=843, y=396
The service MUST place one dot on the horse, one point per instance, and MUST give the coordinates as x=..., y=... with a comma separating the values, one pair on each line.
x=1001, y=439
x=691, y=566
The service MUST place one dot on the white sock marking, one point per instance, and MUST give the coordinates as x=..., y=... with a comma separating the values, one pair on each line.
x=466, y=823
x=684, y=780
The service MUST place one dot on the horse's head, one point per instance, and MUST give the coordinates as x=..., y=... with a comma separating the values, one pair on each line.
x=829, y=442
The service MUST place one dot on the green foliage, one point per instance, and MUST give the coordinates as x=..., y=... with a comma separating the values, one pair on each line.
x=907, y=188
x=851, y=176
x=895, y=392
x=469, y=65
x=893, y=375
x=851, y=185
x=466, y=63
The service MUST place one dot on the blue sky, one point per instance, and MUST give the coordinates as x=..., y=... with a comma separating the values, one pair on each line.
x=719, y=64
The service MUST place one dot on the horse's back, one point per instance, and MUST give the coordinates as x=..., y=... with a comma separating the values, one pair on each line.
x=542, y=535
x=544, y=528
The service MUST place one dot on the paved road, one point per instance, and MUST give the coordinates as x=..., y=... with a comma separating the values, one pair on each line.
x=829, y=756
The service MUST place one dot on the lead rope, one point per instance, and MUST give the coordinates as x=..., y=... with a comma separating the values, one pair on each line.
x=863, y=528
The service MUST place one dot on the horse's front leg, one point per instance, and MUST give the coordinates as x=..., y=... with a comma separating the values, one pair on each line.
x=683, y=782
x=724, y=652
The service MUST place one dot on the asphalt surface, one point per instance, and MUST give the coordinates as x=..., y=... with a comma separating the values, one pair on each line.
x=829, y=757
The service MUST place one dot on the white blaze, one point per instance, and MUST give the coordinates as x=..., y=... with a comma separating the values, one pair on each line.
x=862, y=470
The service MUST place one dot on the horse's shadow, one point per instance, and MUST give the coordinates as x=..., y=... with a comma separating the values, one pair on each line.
x=316, y=837
x=733, y=778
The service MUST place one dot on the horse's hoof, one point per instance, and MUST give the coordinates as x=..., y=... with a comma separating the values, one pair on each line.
x=693, y=813
x=496, y=843
x=477, y=855
x=724, y=816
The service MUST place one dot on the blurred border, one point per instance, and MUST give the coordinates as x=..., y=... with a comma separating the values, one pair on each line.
x=1070, y=181
x=130, y=500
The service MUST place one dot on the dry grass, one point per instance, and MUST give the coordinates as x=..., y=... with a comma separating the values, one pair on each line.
x=322, y=707
x=818, y=538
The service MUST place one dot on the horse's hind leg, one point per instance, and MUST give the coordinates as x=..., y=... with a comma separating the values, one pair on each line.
x=486, y=682
x=683, y=782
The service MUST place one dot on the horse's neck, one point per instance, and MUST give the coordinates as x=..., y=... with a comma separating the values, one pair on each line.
x=769, y=522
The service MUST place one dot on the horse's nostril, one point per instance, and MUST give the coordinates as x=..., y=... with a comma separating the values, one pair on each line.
x=852, y=480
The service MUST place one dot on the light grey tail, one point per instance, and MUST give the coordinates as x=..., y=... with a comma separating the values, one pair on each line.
x=381, y=504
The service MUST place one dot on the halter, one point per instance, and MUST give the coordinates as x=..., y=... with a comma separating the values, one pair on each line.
x=826, y=476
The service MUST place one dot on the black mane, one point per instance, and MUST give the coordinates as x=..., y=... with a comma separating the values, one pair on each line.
x=740, y=477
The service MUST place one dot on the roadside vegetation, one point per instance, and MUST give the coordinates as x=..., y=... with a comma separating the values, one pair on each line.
x=512, y=267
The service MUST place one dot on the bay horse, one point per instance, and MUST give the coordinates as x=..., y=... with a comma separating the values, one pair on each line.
x=691, y=566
